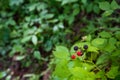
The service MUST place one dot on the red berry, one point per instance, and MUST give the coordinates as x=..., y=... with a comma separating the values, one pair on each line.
x=79, y=53
x=73, y=57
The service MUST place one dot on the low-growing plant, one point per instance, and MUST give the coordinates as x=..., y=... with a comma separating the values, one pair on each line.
x=29, y=30
x=94, y=58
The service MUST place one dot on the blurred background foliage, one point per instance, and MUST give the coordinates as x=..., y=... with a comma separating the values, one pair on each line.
x=30, y=29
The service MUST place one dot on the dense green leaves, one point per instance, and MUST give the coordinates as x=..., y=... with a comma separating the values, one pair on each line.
x=101, y=50
x=108, y=7
x=30, y=29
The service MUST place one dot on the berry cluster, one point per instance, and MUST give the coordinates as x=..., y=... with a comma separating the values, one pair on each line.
x=78, y=51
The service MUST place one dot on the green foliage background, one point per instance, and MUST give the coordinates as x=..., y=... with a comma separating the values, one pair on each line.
x=30, y=29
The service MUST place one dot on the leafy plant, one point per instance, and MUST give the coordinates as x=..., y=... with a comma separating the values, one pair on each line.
x=30, y=29
x=100, y=59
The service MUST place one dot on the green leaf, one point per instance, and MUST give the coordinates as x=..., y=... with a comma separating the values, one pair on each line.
x=101, y=74
x=41, y=6
x=32, y=7
x=105, y=34
x=16, y=48
x=34, y=39
x=61, y=69
x=92, y=49
x=84, y=1
x=48, y=16
x=114, y=5
x=113, y=72
x=99, y=42
x=18, y=58
x=67, y=1
x=76, y=11
x=104, y=5
x=107, y=13
x=8, y=77
x=89, y=8
x=117, y=34
x=102, y=59
x=81, y=73
x=87, y=66
x=116, y=53
x=96, y=9
x=112, y=40
x=111, y=45
x=26, y=39
x=48, y=45
x=61, y=52
x=89, y=37
x=71, y=64
x=2, y=74
x=16, y=2
x=37, y=55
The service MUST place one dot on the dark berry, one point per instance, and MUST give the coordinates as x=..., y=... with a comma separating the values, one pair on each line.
x=85, y=46
x=79, y=53
x=73, y=57
x=75, y=48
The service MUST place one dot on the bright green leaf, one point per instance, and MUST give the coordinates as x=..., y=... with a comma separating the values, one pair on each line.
x=82, y=73
x=34, y=39
x=61, y=69
x=2, y=74
x=48, y=16
x=67, y=1
x=105, y=34
x=61, y=52
x=18, y=58
x=25, y=39
x=37, y=55
x=99, y=42
x=93, y=49
x=107, y=13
